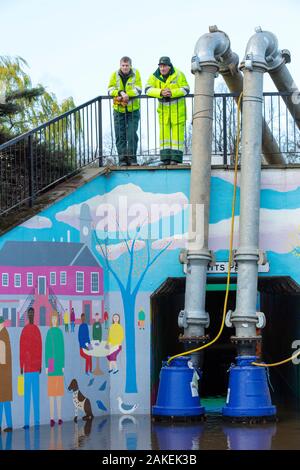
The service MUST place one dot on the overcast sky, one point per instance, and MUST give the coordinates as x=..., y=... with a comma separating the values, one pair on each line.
x=72, y=46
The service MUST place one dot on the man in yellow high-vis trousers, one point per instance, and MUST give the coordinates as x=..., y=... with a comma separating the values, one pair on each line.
x=170, y=86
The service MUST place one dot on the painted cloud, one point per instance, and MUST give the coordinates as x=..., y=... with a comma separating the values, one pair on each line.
x=125, y=208
x=37, y=222
x=279, y=232
x=282, y=181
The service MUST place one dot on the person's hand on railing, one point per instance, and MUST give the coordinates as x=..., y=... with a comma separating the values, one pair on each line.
x=119, y=100
x=124, y=96
x=166, y=92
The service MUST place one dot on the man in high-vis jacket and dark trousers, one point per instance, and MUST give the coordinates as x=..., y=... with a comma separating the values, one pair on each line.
x=124, y=86
x=169, y=85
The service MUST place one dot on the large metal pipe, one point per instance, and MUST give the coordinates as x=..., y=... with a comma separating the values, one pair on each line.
x=194, y=319
x=260, y=48
x=284, y=82
x=233, y=78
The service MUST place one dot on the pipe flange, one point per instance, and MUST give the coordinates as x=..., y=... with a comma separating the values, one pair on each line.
x=195, y=64
x=262, y=258
x=250, y=64
x=238, y=318
x=193, y=339
x=246, y=339
x=182, y=323
x=183, y=256
x=286, y=55
x=261, y=322
x=201, y=255
x=228, y=321
x=187, y=318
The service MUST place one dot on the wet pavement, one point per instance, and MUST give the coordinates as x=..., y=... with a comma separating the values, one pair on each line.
x=138, y=432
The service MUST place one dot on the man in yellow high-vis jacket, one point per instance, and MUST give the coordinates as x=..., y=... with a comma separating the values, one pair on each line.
x=169, y=85
x=124, y=86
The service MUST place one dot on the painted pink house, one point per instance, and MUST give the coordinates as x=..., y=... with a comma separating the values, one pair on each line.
x=48, y=276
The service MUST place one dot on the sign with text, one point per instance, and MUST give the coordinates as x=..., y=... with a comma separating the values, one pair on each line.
x=222, y=267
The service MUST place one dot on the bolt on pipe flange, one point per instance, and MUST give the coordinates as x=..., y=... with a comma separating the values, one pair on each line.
x=193, y=339
x=246, y=339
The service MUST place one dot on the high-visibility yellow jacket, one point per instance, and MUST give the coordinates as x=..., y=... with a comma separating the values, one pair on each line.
x=169, y=109
x=133, y=88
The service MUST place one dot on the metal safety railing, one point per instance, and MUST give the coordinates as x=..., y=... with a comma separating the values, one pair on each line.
x=41, y=158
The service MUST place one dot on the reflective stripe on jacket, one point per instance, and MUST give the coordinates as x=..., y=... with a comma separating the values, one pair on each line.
x=169, y=108
x=133, y=88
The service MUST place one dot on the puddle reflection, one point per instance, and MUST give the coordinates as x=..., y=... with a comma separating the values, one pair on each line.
x=138, y=432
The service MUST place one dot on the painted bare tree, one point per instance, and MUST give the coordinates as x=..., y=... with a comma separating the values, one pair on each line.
x=129, y=291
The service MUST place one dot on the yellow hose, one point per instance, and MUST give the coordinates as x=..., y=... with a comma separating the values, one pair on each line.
x=284, y=361
x=230, y=243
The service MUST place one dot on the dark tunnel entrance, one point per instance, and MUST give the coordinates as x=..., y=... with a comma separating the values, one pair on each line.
x=166, y=304
x=279, y=300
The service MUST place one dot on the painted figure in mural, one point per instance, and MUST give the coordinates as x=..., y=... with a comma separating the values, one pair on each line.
x=105, y=319
x=124, y=85
x=66, y=320
x=115, y=340
x=72, y=319
x=85, y=343
x=169, y=85
x=141, y=319
x=5, y=377
x=31, y=366
x=97, y=329
x=55, y=363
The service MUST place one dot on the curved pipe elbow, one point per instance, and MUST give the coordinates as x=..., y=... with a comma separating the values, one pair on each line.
x=212, y=47
x=262, y=51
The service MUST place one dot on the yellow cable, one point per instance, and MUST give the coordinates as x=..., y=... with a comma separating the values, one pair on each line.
x=284, y=361
x=230, y=243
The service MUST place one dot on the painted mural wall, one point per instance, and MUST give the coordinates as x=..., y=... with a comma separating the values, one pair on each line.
x=76, y=280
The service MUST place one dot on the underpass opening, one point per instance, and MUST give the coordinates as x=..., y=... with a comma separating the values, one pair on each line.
x=279, y=299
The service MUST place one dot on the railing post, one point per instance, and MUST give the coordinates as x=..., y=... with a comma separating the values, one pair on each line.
x=29, y=155
x=100, y=134
x=224, y=131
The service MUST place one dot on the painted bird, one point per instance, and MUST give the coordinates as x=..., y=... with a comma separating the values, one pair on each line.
x=126, y=409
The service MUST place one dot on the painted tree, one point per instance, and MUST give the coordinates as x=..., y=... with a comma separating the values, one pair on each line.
x=129, y=291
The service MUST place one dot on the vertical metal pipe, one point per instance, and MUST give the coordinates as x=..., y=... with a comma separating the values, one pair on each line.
x=194, y=319
x=244, y=317
x=198, y=255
